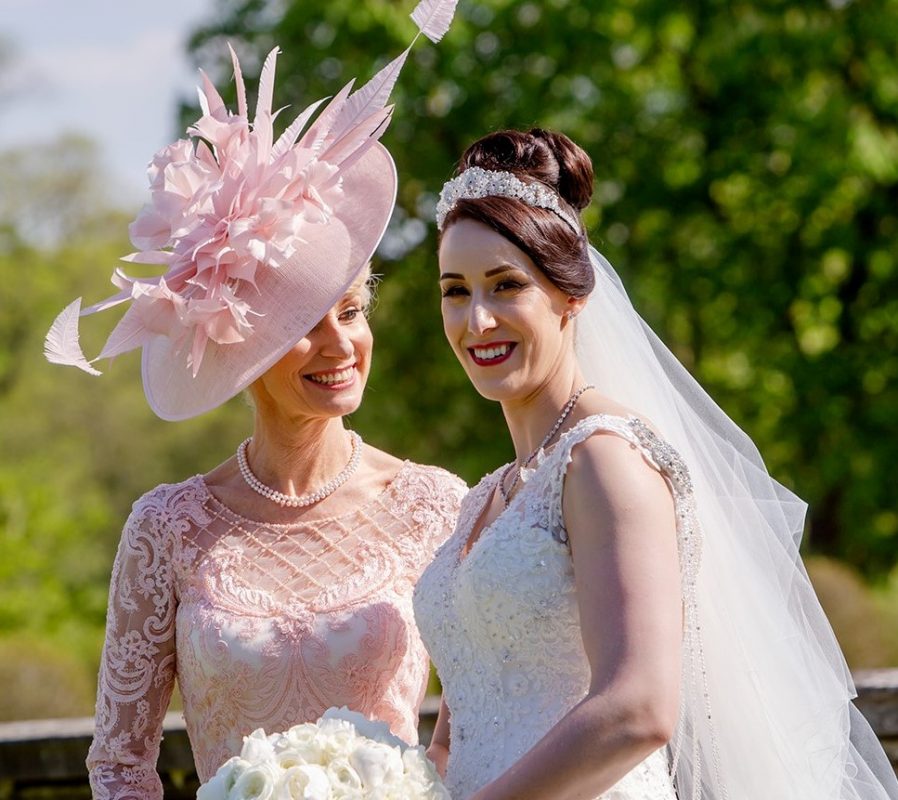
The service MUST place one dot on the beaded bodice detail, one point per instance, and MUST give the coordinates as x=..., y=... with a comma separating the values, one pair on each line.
x=265, y=625
x=502, y=623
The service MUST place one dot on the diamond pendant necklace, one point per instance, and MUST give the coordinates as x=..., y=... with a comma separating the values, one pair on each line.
x=565, y=413
x=299, y=501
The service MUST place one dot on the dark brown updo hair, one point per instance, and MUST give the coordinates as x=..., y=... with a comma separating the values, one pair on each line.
x=554, y=160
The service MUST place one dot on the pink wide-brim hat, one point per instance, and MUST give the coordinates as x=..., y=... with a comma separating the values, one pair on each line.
x=291, y=299
x=259, y=236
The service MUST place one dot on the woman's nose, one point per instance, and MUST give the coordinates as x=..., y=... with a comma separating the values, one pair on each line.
x=336, y=341
x=480, y=318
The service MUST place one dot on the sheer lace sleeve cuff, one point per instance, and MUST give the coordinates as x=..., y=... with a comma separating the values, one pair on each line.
x=137, y=670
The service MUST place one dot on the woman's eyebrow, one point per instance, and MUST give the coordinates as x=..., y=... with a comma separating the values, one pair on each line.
x=488, y=274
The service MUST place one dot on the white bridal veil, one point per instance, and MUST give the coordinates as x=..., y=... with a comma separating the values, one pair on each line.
x=766, y=697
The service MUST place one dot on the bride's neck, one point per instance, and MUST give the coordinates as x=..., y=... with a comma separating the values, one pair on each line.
x=531, y=417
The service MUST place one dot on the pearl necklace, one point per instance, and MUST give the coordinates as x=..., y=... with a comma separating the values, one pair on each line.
x=299, y=501
x=565, y=412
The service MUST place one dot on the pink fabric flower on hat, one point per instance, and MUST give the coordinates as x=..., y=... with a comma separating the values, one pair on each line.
x=224, y=204
x=222, y=209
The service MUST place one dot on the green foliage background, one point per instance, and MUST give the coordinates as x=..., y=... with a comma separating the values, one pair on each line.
x=746, y=159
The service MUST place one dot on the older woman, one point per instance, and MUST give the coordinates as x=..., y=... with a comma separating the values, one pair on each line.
x=278, y=584
x=622, y=612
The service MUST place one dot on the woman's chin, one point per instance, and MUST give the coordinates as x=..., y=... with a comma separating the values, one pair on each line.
x=332, y=401
x=499, y=389
x=341, y=406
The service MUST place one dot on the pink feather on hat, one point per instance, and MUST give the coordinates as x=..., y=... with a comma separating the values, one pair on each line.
x=259, y=238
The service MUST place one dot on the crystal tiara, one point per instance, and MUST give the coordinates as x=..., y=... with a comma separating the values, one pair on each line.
x=476, y=182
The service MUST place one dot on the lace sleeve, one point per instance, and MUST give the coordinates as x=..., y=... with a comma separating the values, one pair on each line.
x=137, y=670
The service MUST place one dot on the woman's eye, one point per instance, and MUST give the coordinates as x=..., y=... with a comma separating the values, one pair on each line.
x=454, y=291
x=349, y=314
x=508, y=284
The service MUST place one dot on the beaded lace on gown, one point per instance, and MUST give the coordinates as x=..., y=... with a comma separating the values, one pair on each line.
x=264, y=625
x=502, y=623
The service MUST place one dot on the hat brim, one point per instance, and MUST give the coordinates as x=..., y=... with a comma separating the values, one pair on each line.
x=291, y=299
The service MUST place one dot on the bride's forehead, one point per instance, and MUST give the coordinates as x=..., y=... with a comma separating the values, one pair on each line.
x=472, y=246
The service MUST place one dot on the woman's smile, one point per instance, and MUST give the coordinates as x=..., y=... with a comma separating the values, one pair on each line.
x=333, y=380
x=491, y=353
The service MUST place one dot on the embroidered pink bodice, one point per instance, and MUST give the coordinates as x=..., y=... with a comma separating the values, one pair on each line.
x=264, y=625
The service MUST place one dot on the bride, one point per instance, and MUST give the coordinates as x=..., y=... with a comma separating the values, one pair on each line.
x=621, y=612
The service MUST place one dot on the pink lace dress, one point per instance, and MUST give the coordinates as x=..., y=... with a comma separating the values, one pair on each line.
x=264, y=625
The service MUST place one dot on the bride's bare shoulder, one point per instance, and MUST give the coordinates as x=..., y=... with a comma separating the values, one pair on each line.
x=594, y=404
x=612, y=464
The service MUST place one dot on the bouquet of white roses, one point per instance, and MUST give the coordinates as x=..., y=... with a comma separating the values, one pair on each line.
x=343, y=756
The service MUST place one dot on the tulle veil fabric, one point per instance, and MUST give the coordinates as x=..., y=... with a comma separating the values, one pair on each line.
x=766, y=711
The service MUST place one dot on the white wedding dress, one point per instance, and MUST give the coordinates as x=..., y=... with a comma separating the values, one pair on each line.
x=502, y=623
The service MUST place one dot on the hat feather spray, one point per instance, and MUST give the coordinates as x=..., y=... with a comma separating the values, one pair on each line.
x=233, y=217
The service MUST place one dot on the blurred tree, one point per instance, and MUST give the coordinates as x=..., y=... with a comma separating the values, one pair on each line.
x=865, y=635
x=746, y=158
x=747, y=188
x=55, y=191
x=76, y=450
x=41, y=680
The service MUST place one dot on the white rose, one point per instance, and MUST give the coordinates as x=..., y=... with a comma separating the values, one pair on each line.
x=307, y=742
x=336, y=737
x=333, y=740
x=305, y=782
x=388, y=793
x=376, y=763
x=292, y=757
x=344, y=780
x=334, y=726
x=421, y=775
x=371, y=729
x=257, y=748
x=298, y=734
x=257, y=782
x=279, y=741
x=221, y=783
